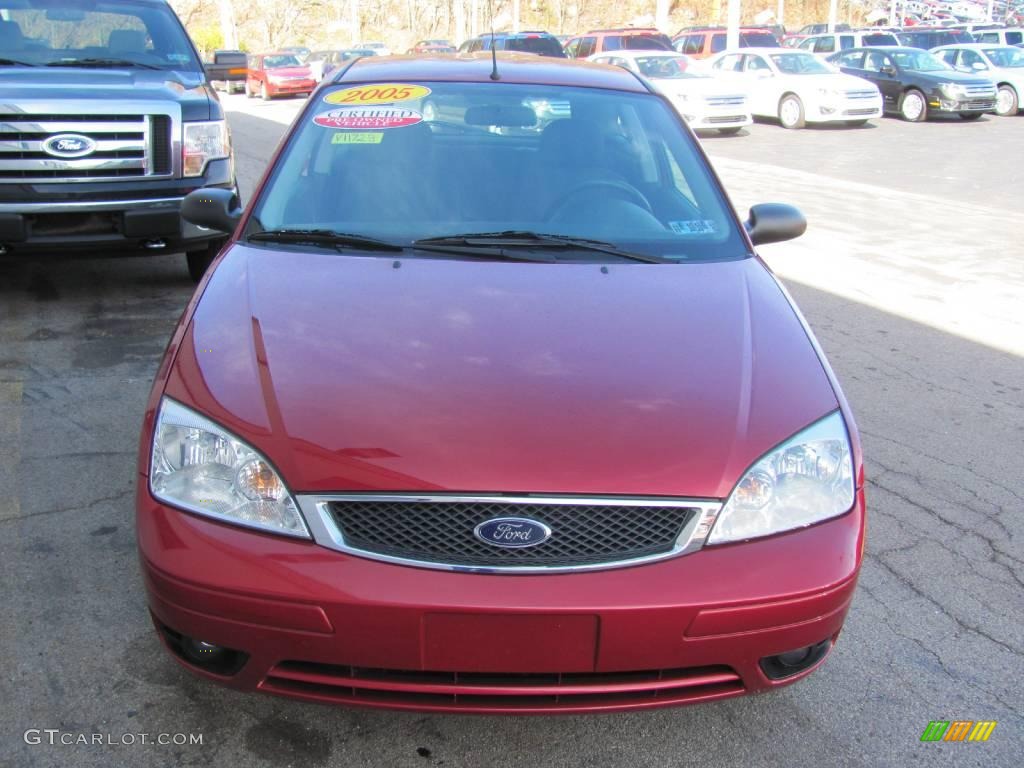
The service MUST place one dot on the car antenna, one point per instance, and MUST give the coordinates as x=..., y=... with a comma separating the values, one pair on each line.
x=494, y=49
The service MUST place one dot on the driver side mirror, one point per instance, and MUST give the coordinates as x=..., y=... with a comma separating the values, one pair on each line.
x=888, y=70
x=212, y=208
x=979, y=66
x=774, y=223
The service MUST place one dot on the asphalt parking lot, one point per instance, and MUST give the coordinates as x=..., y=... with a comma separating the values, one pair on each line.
x=912, y=276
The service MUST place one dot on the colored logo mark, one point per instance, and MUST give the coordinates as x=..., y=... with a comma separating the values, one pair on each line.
x=958, y=730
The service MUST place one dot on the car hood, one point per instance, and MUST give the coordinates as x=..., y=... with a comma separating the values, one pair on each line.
x=360, y=373
x=302, y=71
x=37, y=88
x=951, y=76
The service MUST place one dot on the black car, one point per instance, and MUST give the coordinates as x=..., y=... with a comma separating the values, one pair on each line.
x=540, y=43
x=915, y=84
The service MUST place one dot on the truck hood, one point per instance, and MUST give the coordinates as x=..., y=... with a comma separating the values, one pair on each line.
x=22, y=86
x=357, y=373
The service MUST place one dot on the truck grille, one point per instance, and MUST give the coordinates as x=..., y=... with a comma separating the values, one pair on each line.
x=584, y=532
x=123, y=146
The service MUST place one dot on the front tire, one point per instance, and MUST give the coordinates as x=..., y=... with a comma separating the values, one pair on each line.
x=199, y=260
x=248, y=91
x=264, y=93
x=913, y=106
x=791, y=112
x=1007, y=101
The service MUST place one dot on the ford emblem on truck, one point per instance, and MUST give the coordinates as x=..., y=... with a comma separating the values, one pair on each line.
x=66, y=145
x=512, y=532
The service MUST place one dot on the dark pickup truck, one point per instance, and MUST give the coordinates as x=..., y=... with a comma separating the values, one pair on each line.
x=107, y=121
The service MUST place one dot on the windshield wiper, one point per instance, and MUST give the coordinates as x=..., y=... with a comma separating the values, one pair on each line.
x=15, y=63
x=536, y=241
x=99, y=63
x=324, y=237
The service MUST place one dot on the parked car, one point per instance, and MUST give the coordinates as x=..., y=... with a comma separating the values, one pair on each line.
x=105, y=129
x=621, y=39
x=796, y=87
x=235, y=64
x=299, y=51
x=539, y=43
x=322, y=63
x=1000, y=36
x=380, y=48
x=915, y=84
x=278, y=74
x=701, y=43
x=704, y=102
x=932, y=37
x=794, y=39
x=823, y=45
x=591, y=459
x=432, y=46
x=1003, y=64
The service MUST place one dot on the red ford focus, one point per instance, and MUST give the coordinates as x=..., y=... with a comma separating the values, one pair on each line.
x=496, y=411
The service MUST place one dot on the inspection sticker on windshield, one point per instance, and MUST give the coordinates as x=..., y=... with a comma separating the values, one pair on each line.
x=381, y=93
x=344, y=137
x=373, y=118
x=693, y=227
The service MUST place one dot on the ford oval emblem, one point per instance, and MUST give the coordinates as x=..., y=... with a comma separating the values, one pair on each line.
x=67, y=145
x=512, y=532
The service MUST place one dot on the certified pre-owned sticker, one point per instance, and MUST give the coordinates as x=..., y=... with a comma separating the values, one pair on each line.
x=368, y=118
x=379, y=93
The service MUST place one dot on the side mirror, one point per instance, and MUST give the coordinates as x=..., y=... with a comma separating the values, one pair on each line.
x=979, y=66
x=888, y=71
x=212, y=208
x=774, y=223
x=764, y=74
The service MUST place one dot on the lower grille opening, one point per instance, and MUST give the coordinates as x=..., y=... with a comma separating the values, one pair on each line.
x=500, y=691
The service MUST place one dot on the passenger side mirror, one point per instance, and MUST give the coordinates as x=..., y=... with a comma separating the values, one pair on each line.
x=212, y=208
x=774, y=223
x=979, y=66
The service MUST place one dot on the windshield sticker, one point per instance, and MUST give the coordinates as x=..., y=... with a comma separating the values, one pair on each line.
x=693, y=227
x=344, y=137
x=374, y=118
x=386, y=93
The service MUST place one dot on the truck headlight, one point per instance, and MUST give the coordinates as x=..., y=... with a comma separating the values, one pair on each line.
x=200, y=467
x=807, y=479
x=203, y=142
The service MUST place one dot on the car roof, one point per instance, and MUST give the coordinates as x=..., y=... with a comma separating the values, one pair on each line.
x=476, y=68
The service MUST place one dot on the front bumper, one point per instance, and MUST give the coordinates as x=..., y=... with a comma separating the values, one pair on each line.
x=288, y=87
x=966, y=106
x=327, y=626
x=845, y=109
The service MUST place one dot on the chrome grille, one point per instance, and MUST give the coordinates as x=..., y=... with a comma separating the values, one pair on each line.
x=980, y=90
x=722, y=119
x=438, y=531
x=861, y=94
x=125, y=146
x=725, y=101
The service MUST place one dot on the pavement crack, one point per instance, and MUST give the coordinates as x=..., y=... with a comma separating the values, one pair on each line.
x=72, y=508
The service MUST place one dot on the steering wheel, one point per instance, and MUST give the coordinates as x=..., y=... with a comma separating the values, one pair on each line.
x=628, y=191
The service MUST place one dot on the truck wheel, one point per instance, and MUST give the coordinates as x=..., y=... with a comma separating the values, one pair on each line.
x=199, y=261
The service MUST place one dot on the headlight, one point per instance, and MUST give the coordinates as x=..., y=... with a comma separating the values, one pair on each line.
x=198, y=466
x=952, y=90
x=807, y=479
x=204, y=142
x=829, y=93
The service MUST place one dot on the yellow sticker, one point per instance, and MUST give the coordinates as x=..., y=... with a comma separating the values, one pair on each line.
x=379, y=93
x=356, y=138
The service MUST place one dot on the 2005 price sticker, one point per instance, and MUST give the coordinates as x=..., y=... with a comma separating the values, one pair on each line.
x=379, y=93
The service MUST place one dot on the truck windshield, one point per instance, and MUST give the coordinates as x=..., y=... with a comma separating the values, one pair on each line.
x=115, y=33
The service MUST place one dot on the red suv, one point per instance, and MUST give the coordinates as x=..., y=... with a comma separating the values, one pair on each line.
x=553, y=440
x=278, y=74
x=628, y=38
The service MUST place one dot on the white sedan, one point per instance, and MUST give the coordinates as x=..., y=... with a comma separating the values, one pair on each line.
x=797, y=87
x=1003, y=64
x=704, y=102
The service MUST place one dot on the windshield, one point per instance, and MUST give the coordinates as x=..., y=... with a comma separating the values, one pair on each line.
x=280, y=60
x=1006, y=57
x=799, y=64
x=46, y=32
x=919, y=61
x=442, y=159
x=662, y=66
